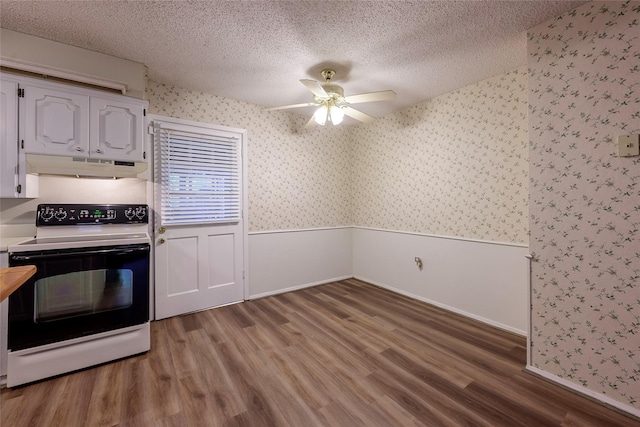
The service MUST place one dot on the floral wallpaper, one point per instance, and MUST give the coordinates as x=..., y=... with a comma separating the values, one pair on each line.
x=456, y=165
x=584, y=91
x=297, y=179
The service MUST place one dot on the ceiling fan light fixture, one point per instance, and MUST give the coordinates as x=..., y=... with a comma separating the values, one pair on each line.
x=332, y=104
x=336, y=115
x=321, y=114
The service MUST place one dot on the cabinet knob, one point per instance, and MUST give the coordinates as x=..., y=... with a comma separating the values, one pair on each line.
x=99, y=151
x=79, y=149
x=161, y=241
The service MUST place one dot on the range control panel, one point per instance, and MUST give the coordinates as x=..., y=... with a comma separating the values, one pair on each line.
x=68, y=214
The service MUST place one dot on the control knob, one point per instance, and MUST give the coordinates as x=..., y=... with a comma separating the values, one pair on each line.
x=46, y=214
x=129, y=213
x=61, y=214
x=141, y=212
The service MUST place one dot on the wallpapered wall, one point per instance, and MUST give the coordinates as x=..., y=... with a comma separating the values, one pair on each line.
x=456, y=165
x=297, y=179
x=584, y=91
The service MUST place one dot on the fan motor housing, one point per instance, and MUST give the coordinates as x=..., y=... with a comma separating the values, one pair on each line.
x=333, y=90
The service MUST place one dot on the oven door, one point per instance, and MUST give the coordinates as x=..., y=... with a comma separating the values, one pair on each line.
x=78, y=292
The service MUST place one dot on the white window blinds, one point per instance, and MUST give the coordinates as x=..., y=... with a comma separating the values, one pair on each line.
x=199, y=175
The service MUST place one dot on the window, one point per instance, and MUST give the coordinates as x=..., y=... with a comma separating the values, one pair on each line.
x=199, y=174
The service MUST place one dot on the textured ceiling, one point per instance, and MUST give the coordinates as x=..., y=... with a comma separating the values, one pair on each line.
x=257, y=51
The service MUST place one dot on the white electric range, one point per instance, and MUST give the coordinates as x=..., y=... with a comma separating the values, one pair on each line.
x=88, y=302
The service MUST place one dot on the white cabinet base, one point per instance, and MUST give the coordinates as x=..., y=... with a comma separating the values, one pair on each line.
x=32, y=364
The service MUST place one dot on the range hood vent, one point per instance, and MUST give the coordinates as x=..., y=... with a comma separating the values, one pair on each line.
x=80, y=166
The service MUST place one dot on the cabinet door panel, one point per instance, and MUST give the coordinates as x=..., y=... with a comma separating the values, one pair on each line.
x=8, y=139
x=56, y=122
x=116, y=130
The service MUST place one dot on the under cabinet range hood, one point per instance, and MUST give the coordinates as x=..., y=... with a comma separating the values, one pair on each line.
x=81, y=166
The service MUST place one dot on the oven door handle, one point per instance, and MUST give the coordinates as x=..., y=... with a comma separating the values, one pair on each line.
x=114, y=251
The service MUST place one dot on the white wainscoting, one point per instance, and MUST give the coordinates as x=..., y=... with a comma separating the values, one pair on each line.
x=282, y=261
x=482, y=280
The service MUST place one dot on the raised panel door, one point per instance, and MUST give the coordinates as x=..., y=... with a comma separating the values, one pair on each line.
x=116, y=130
x=198, y=267
x=56, y=122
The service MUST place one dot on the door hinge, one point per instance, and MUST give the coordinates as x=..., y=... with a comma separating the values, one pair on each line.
x=20, y=92
x=19, y=188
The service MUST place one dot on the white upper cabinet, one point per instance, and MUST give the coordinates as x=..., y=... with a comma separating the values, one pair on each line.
x=65, y=120
x=56, y=122
x=8, y=139
x=116, y=130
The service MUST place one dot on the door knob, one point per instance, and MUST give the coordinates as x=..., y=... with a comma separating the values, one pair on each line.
x=161, y=241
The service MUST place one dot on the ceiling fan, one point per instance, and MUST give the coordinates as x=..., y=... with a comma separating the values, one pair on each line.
x=332, y=103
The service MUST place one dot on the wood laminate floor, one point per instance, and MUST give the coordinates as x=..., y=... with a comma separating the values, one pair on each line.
x=342, y=354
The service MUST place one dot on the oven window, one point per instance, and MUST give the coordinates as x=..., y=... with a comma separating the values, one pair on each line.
x=81, y=293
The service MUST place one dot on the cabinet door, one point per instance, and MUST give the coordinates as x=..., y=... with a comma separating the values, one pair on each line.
x=56, y=122
x=117, y=130
x=8, y=139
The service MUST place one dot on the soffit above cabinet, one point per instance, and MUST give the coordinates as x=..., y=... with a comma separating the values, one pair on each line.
x=45, y=57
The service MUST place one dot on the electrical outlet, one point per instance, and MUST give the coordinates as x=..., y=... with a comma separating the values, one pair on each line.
x=628, y=145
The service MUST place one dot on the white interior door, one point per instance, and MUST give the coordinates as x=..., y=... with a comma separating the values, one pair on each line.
x=199, y=224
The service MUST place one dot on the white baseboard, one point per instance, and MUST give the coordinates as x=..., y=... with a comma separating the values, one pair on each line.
x=599, y=397
x=298, y=287
x=446, y=307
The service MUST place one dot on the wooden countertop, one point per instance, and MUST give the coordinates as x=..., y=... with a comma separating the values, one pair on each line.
x=13, y=277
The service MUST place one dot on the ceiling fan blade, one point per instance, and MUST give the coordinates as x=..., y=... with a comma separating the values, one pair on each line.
x=311, y=123
x=371, y=97
x=286, y=107
x=358, y=115
x=315, y=87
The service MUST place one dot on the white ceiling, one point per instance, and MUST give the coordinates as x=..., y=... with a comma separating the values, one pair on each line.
x=257, y=51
